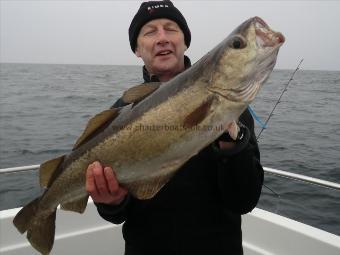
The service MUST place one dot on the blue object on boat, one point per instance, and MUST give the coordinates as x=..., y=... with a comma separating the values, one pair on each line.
x=258, y=120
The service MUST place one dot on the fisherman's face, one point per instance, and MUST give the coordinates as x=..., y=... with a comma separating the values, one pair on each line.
x=161, y=46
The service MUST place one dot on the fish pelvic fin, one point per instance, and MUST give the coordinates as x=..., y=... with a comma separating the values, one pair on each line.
x=78, y=206
x=40, y=227
x=146, y=189
x=49, y=171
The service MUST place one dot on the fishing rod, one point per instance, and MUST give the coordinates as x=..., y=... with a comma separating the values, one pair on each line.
x=264, y=126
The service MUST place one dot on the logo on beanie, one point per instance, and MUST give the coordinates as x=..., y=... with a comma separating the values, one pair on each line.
x=152, y=8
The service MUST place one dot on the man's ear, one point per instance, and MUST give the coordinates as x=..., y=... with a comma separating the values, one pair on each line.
x=137, y=53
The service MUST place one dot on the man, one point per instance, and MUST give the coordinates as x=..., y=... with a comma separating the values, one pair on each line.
x=199, y=210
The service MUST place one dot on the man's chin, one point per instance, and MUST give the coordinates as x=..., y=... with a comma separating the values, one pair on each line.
x=165, y=66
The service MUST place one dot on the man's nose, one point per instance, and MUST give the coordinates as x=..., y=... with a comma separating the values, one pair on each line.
x=162, y=37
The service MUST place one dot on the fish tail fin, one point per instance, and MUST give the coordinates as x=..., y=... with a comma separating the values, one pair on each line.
x=40, y=227
x=23, y=218
x=40, y=232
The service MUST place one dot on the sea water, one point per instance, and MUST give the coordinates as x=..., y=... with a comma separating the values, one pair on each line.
x=44, y=108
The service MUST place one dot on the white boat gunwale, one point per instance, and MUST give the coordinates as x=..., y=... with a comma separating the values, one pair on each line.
x=264, y=232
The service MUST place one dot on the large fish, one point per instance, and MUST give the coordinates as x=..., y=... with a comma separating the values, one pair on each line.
x=147, y=141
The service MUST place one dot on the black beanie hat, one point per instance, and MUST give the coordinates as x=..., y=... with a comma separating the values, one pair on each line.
x=157, y=10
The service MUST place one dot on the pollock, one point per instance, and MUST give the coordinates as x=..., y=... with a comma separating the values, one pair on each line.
x=161, y=128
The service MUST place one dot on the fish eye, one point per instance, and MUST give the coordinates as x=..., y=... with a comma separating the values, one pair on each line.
x=238, y=42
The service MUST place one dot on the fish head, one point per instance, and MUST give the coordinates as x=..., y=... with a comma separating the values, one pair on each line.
x=244, y=60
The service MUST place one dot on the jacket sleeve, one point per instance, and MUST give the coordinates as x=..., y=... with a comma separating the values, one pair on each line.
x=240, y=175
x=114, y=213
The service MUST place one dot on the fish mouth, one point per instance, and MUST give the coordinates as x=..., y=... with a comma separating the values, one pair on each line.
x=265, y=43
x=268, y=42
x=266, y=37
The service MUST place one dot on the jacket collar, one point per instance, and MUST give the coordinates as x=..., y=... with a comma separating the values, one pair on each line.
x=154, y=78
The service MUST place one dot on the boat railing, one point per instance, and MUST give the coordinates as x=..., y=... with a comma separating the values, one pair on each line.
x=19, y=169
x=267, y=170
x=303, y=178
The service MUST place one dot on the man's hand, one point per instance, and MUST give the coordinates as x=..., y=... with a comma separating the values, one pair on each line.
x=102, y=185
x=233, y=129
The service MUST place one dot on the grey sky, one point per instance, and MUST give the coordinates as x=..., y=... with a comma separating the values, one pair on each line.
x=95, y=32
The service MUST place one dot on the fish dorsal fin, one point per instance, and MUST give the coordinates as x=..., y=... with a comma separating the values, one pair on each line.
x=95, y=123
x=76, y=206
x=139, y=92
x=49, y=171
x=146, y=189
x=198, y=115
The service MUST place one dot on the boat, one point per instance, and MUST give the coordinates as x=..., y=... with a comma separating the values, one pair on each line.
x=264, y=232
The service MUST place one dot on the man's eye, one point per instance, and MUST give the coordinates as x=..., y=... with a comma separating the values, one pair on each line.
x=150, y=32
x=171, y=29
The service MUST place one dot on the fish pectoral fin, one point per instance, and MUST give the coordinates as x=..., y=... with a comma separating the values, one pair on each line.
x=139, y=92
x=75, y=206
x=199, y=114
x=49, y=171
x=96, y=123
x=146, y=189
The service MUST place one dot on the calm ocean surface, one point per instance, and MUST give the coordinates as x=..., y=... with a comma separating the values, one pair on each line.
x=44, y=108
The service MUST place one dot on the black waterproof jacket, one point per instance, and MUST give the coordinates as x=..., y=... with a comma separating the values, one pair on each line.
x=199, y=210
